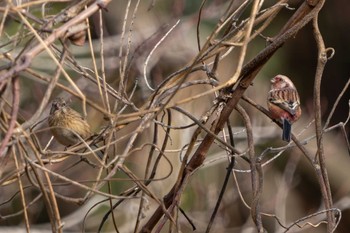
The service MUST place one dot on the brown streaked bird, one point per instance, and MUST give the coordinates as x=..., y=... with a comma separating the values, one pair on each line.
x=284, y=104
x=66, y=123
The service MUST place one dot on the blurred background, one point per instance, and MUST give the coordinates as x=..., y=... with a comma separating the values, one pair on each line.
x=131, y=51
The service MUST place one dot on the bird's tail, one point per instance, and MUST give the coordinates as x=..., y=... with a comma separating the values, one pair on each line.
x=287, y=130
x=99, y=153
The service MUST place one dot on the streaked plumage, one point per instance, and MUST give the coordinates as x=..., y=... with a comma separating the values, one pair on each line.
x=65, y=123
x=283, y=103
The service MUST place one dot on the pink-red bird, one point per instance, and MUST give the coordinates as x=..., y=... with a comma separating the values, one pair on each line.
x=284, y=104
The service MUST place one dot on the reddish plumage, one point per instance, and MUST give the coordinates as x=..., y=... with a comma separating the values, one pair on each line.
x=283, y=103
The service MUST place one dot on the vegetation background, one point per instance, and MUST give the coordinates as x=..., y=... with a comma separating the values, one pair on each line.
x=175, y=92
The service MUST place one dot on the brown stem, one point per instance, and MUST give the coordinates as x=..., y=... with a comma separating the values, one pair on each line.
x=14, y=112
x=256, y=171
x=320, y=163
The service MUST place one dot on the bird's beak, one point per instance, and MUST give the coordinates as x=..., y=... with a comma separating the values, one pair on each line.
x=54, y=108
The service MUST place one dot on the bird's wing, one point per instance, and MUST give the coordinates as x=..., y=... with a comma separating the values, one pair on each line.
x=287, y=99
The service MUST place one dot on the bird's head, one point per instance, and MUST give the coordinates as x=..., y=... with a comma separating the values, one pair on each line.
x=58, y=104
x=281, y=81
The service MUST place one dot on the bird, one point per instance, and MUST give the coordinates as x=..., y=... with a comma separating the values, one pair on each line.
x=284, y=103
x=67, y=125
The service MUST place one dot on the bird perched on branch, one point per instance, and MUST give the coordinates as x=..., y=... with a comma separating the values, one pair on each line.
x=66, y=124
x=284, y=104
